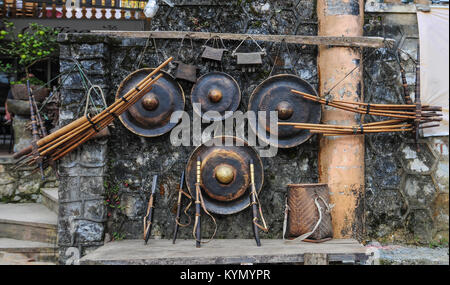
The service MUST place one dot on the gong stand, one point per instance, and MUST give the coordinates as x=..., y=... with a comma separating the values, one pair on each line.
x=256, y=205
x=221, y=178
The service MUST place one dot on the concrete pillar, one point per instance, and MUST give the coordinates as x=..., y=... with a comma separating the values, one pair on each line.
x=341, y=159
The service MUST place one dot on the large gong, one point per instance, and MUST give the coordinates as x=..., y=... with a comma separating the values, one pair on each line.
x=150, y=116
x=225, y=174
x=216, y=91
x=274, y=94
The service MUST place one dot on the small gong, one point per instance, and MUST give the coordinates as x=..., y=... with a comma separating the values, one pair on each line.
x=216, y=91
x=274, y=94
x=225, y=174
x=150, y=116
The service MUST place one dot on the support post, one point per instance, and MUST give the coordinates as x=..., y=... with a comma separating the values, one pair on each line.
x=341, y=159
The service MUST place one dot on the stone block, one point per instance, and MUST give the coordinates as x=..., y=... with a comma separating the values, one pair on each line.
x=95, y=210
x=441, y=176
x=419, y=190
x=385, y=211
x=6, y=178
x=22, y=135
x=87, y=231
x=91, y=186
x=440, y=146
x=72, y=209
x=7, y=190
x=385, y=171
x=28, y=186
x=93, y=154
x=134, y=206
x=417, y=162
x=440, y=212
x=420, y=224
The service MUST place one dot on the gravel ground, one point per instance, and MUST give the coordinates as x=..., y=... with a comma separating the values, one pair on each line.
x=409, y=255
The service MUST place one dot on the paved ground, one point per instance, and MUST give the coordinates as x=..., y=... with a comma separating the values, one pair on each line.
x=410, y=255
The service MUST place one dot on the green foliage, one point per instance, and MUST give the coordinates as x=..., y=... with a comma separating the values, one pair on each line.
x=33, y=81
x=117, y=236
x=34, y=44
x=438, y=244
x=112, y=199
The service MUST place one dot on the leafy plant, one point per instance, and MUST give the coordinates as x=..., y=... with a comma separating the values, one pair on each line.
x=34, y=44
x=33, y=81
x=118, y=236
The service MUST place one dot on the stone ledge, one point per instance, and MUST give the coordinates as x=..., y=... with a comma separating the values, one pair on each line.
x=229, y=251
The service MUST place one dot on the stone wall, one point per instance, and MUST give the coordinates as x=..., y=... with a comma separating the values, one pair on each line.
x=22, y=185
x=406, y=185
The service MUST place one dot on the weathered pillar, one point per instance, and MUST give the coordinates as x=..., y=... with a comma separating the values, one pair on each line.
x=341, y=159
x=82, y=213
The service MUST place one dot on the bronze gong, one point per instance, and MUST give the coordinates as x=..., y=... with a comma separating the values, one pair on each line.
x=225, y=174
x=274, y=94
x=216, y=91
x=150, y=116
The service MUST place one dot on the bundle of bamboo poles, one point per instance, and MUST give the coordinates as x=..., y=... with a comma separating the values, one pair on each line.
x=61, y=142
x=427, y=114
x=404, y=116
x=368, y=128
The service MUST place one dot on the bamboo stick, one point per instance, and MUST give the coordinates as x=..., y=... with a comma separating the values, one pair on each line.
x=98, y=118
x=110, y=109
x=74, y=139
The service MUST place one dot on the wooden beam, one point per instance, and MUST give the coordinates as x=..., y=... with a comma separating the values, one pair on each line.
x=371, y=42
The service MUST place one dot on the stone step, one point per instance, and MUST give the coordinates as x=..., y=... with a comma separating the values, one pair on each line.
x=50, y=198
x=29, y=221
x=7, y=258
x=30, y=250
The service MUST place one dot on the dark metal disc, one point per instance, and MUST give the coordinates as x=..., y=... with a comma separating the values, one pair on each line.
x=220, y=195
x=216, y=91
x=274, y=94
x=150, y=116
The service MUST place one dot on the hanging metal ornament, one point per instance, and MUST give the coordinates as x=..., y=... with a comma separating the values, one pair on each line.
x=216, y=91
x=225, y=174
x=185, y=71
x=249, y=60
x=214, y=54
x=150, y=116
